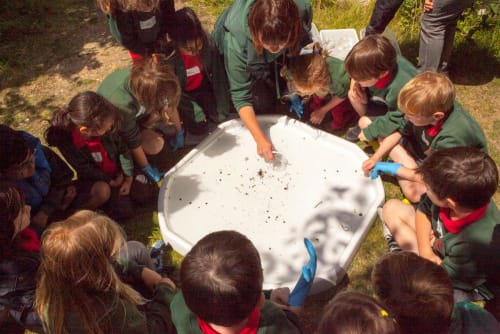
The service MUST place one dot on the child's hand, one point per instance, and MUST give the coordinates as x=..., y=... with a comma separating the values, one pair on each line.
x=125, y=187
x=317, y=116
x=357, y=94
x=117, y=181
x=69, y=196
x=428, y=5
x=390, y=168
x=40, y=219
x=280, y=296
x=178, y=141
x=369, y=164
x=362, y=136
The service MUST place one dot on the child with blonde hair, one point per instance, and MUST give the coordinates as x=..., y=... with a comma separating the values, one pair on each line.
x=141, y=26
x=323, y=80
x=80, y=290
x=356, y=313
x=430, y=119
x=86, y=132
x=148, y=95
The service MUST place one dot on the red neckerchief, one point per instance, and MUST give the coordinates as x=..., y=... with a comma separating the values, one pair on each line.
x=384, y=81
x=455, y=226
x=95, y=147
x=194, y=71
x=433, y=130
x=28, y=241
x=250, y=328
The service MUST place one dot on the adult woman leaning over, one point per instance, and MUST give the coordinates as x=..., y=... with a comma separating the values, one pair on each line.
x=255, y=36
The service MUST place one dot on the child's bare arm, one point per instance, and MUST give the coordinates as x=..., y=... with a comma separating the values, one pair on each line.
x=125, y=187
x=385, y=147
x=152, y=278
x=358, y=98
x=117, y=181
x=423, y=231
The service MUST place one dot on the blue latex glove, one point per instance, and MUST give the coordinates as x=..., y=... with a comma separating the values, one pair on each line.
x=152, y=173
x=178, y=141
x=306, y=279
x=296, y=105
x=390, y=168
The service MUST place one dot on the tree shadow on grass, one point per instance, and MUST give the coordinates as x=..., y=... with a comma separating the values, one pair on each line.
x=43, y=39
x=14, y=102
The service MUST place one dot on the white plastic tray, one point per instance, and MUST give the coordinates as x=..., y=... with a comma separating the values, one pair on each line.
x=338, y=42
x=319, y=192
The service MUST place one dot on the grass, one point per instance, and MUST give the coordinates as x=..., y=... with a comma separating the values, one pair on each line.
x=45, y=56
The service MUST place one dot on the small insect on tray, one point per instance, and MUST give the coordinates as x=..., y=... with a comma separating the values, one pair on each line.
x=314, y=189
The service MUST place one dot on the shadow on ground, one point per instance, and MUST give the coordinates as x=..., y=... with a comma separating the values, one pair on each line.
x=38, y=39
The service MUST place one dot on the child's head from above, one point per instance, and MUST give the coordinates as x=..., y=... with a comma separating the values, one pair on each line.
x=416, y=291
x=155, y=86
x=275, y=25
x=15, y=214
x=92, y=114
x=221, y=278
x=188, y=33
x=427, y=98
x=463, y=176
x=17, y=158
x=309, y=74
x=77, y=257
x=356, y=313
x=370, y=59
x=79, y=251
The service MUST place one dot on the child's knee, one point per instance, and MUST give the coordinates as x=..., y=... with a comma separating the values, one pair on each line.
x=100, y=192
x=391, y=212
x=364, y=122
x=152, y=142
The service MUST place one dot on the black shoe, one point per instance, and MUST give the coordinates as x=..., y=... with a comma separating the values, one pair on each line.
x=352, y=134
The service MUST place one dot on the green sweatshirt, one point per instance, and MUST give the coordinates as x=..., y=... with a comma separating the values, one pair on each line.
x=471, y=256
x=273, y=320
x=243, y=64
x=116, y=89
x=459, y=129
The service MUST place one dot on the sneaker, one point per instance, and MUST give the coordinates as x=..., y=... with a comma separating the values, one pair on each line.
x=389, y=238
x=352, y=134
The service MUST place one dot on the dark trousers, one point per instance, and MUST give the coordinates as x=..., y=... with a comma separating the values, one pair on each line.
x=382, y=14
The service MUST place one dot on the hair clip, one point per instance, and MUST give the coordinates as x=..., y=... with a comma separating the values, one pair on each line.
x=166, y=102
x=384, y=313
x=142, y=110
